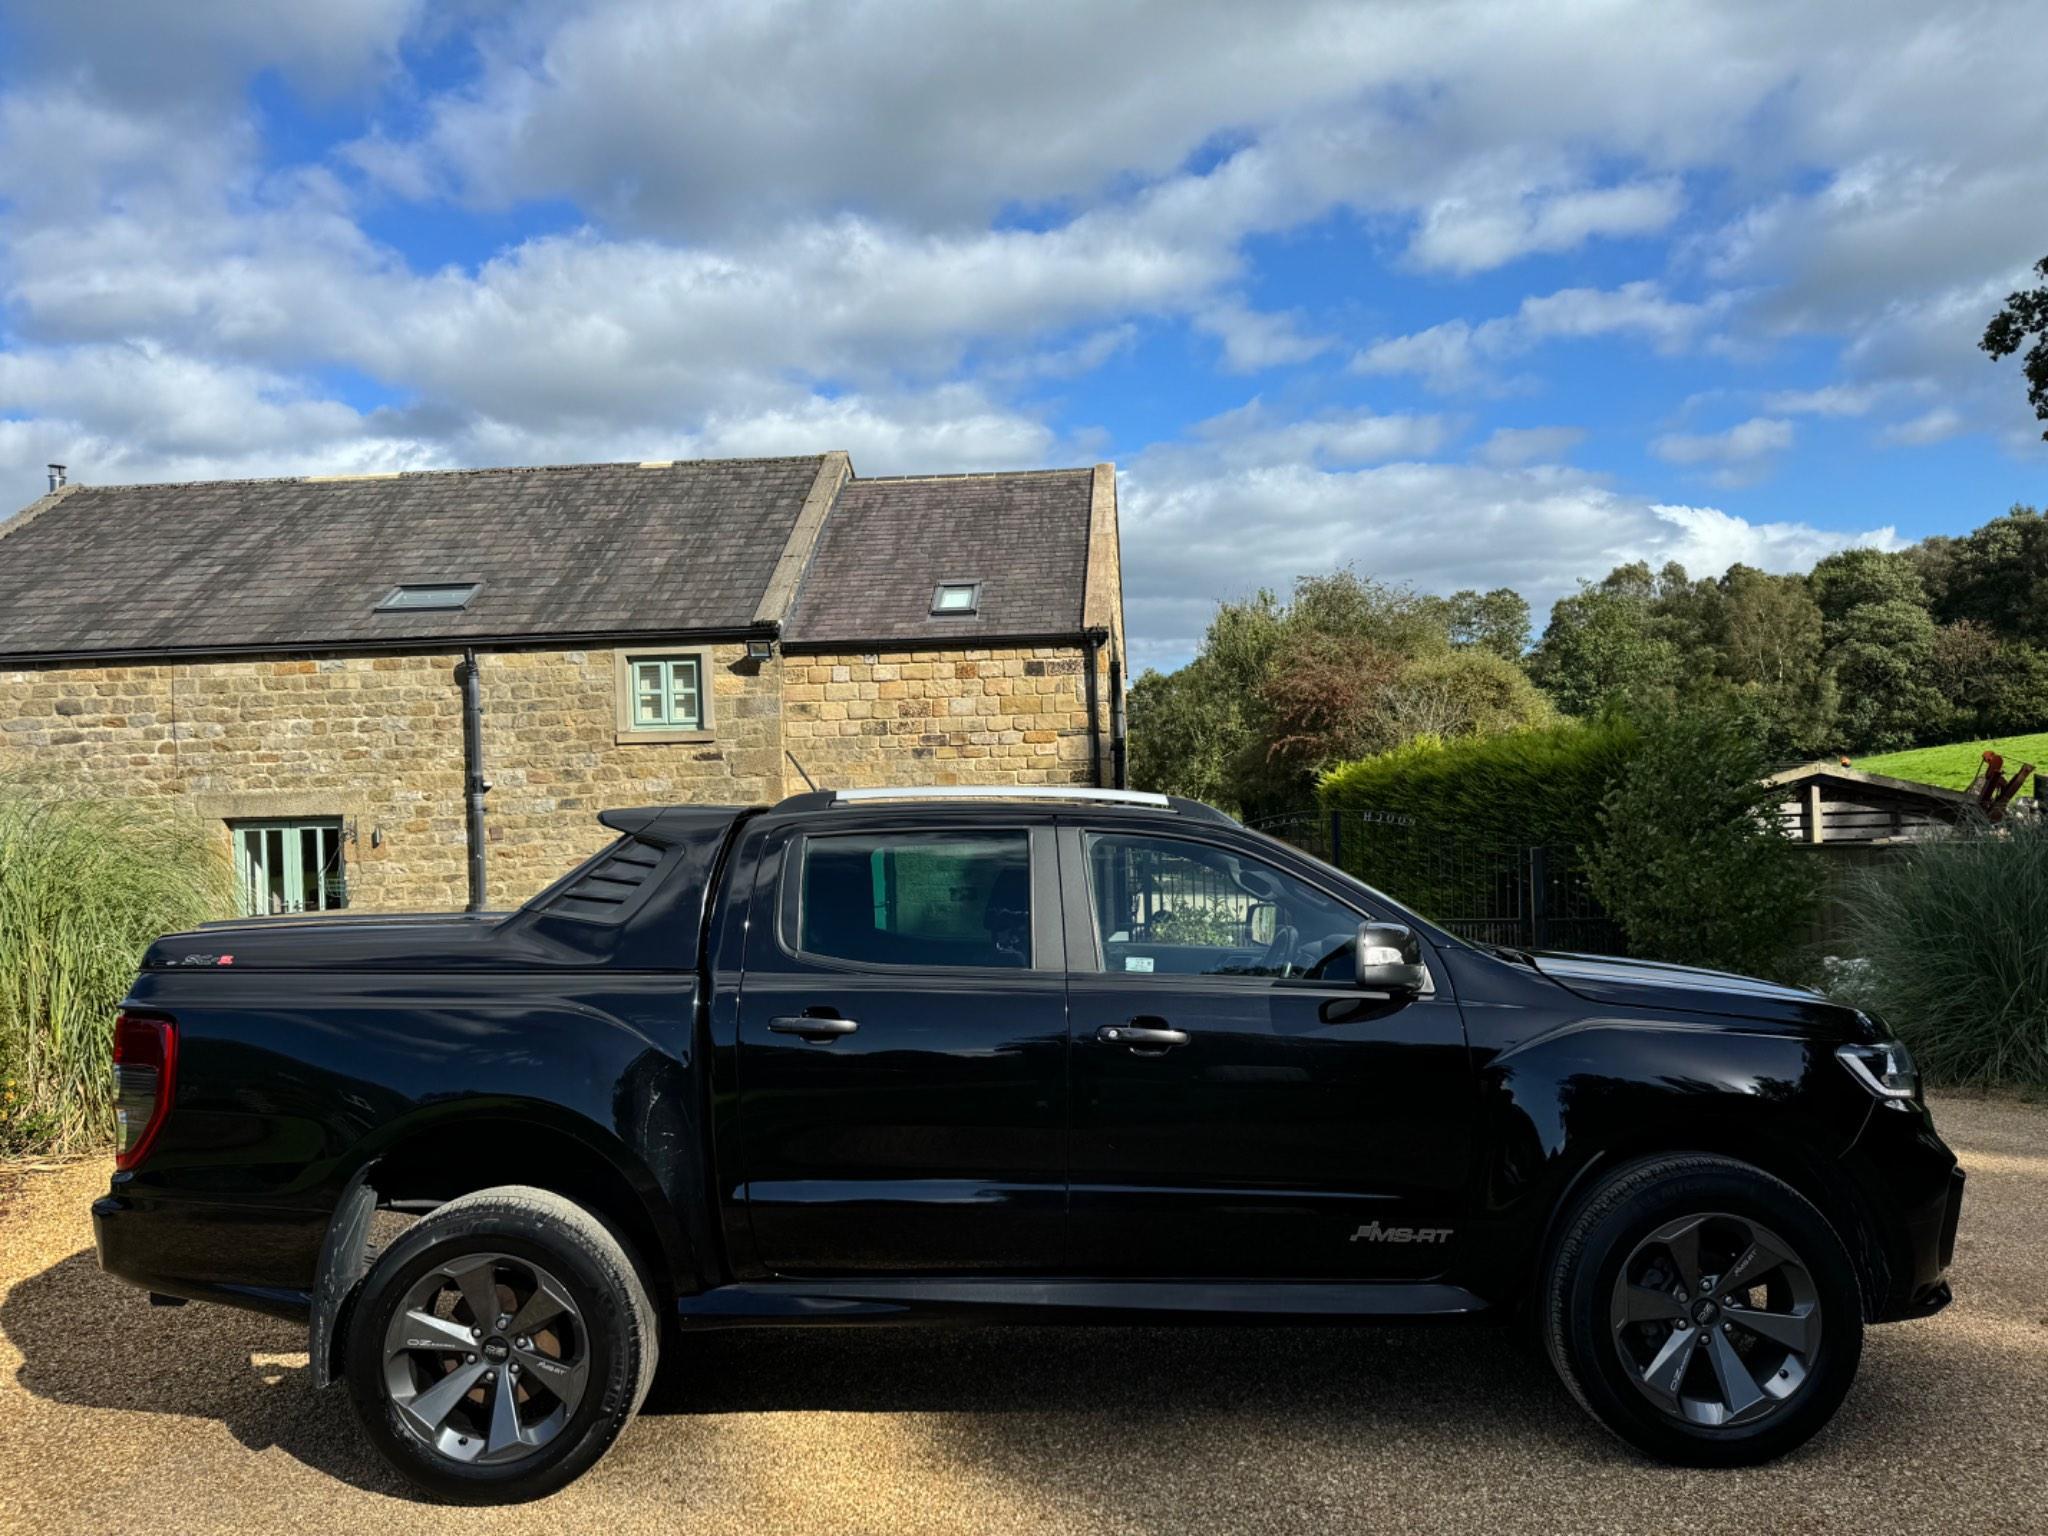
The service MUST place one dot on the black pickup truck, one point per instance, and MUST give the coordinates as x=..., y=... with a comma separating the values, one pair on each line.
x=881, y=1056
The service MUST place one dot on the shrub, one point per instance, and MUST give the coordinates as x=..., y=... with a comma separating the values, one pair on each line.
x=1689, y=860
x=84, y=886
x=1444, y=825
x=1526, y=788
x=1950, y=940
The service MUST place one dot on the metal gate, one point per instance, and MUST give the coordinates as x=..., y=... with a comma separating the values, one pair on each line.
x=1526, y=896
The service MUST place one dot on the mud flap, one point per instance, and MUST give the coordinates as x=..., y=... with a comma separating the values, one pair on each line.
x=344, y=1260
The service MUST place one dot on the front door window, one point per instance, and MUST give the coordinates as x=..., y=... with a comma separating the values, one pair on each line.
x=1166, y=907
x=289, y=866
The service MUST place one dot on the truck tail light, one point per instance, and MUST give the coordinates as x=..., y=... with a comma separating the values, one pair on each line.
x=145, y=1075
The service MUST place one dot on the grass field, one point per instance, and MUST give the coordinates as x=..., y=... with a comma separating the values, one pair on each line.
x=1954, y=765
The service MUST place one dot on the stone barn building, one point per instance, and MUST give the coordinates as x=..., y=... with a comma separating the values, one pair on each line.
x=286, y=659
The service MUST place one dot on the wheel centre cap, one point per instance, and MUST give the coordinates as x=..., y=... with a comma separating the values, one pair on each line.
x=1705, y=1313
x=496, y=1349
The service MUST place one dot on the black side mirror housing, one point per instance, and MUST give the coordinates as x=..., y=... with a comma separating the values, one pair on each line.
x=1390, y=959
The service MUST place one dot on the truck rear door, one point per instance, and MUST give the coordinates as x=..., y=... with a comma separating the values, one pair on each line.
x=902, y=1047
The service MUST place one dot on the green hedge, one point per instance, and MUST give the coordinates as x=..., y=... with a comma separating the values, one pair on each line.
x=1541, y=787
x=1444, y=825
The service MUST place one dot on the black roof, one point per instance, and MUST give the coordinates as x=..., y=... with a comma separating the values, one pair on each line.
x=890, y=542
x=589, y=550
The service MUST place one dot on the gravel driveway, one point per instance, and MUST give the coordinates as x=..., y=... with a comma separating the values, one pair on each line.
x=115, y=1417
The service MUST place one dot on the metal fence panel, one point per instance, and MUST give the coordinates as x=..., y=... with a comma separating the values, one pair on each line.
x=1523, y=897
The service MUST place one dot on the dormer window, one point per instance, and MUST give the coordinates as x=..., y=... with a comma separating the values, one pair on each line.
x=430, y=597
x=951, y=597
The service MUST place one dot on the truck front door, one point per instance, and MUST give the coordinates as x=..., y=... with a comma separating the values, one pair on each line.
x=903, y=1049
x=1241, y=1107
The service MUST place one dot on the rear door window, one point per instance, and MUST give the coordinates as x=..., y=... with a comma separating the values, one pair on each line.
x=952, y=899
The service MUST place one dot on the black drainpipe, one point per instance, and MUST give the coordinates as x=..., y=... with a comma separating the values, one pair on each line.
x=1091, y=643
x=474, y=784
x=1118, y=728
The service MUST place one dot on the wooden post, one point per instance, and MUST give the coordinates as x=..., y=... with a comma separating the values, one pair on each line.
x=1815, y=829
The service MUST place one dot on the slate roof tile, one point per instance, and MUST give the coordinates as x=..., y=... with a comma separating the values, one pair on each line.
x=890, y=542
x=304, y=563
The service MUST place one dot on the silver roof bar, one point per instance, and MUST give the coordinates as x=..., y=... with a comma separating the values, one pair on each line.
x=1004, y=792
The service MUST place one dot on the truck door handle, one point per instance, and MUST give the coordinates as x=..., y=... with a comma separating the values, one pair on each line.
x=1143, y=1034
x=812, y=1027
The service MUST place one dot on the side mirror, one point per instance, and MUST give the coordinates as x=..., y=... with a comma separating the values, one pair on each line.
x=1390, y=959
x=1261, y=922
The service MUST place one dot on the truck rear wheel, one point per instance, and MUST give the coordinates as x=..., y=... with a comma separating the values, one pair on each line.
x=499, y=1346
x=1703, y=1311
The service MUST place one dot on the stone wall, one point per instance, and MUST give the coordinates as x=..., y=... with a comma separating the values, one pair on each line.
x=553, y=756
x=903, y=718
x=377, y=741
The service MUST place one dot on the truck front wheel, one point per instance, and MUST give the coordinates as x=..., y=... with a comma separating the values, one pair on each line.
x=1703, y=1311
x=500, y=1346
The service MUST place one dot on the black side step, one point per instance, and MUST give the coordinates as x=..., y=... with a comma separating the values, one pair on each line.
x=781, y=1302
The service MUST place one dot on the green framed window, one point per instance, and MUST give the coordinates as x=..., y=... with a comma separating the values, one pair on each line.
x=289, y=866
x=668, y=693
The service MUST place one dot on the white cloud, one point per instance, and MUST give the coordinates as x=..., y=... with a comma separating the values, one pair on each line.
x=1253, y=435
x=892, y=229
x=1929, y=427
x=1830, y=400
x=142, y=49
x=1741, y=444
x=1253, y=341
x=1539, y=528
x=1452, y=356
x=1466, y=235
x=1511, y=446
x=1458, y=355
x=1637, y=309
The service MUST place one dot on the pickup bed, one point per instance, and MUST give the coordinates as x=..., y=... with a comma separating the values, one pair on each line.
x=899, y=1056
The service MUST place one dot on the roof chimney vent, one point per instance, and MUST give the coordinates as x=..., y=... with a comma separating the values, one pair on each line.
x=56, y=476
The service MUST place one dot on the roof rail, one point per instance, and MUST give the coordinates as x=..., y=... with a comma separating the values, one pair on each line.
x=1136, y=799
x=1143, y=797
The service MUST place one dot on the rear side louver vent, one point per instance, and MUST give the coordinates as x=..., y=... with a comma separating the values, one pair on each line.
x=609, y=888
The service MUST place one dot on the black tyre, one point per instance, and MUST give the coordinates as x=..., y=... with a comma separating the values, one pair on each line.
x=1703, y=1311
x=499, y=1346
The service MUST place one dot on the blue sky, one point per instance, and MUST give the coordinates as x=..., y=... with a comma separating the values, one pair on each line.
x=1463, y=295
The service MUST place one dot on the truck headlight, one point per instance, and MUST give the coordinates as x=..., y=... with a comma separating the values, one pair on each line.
x=1886, y=1069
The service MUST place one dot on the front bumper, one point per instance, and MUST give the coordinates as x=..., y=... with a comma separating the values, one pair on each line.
x=1910, y=1190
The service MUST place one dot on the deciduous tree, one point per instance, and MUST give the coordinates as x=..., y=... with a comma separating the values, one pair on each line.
x=2024, y=318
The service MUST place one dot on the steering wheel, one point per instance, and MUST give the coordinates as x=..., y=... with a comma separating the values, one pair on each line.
x=1279, y=953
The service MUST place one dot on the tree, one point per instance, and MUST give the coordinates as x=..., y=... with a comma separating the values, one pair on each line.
x=1603, y=643
x=1496, y=621
x=1852, y=577
x=1769, y=646
x=1325, y=702
x=1184, y=729
x=1880, y=649
x=1280, y=691
x=1882, y=655
x=1993, y=687
x=1688, y=859
x=2025, y=315
x=1996, y=576
x=1474, y=692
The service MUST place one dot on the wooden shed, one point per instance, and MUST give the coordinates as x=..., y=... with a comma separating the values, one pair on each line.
x=1827, y=803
